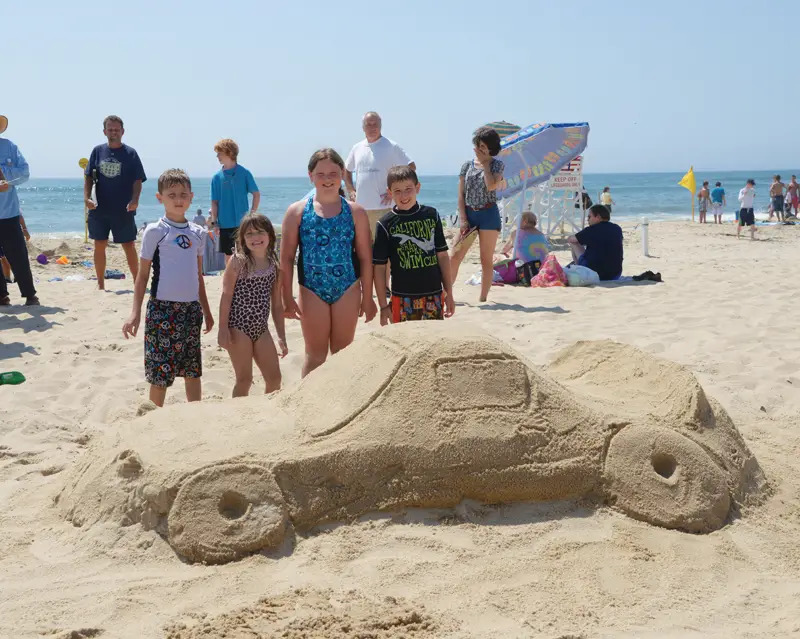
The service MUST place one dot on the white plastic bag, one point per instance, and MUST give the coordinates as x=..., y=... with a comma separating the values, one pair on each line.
x=581, y=276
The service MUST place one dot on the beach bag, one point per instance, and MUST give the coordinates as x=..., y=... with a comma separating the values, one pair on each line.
x=551, y=274
x=528, y=271
x=581, y=276
x=507, y=271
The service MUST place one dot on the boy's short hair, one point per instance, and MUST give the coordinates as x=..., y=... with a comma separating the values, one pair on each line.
x=228, y=147
x=401, y=174
x=719, y=183
x=173, y=177
x=601, y=211
x=751, y=181
x=705, y=182
x=113, y=118
x=489, y=137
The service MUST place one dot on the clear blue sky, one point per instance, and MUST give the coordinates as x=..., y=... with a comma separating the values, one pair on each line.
x=663, y=85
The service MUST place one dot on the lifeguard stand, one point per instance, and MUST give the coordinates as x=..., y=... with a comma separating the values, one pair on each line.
x=557, y=203
x=543, y=173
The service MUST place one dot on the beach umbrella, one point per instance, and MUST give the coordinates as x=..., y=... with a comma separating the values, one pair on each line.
x=504, y=128
x=536, y=153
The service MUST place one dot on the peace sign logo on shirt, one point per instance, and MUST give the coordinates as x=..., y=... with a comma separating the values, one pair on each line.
x=183, y=241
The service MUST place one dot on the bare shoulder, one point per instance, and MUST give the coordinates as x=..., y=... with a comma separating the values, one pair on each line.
x=358, y=210
x=294, y=212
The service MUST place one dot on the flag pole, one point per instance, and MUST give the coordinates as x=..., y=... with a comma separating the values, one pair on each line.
x=693, y=207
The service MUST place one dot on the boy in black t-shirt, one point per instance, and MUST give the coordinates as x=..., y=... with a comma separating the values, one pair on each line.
x=411, y=237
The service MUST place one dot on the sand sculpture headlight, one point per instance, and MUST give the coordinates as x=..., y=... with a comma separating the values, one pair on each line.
x=418, y=415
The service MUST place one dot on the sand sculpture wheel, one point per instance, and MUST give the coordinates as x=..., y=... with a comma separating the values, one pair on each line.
x=417, y=416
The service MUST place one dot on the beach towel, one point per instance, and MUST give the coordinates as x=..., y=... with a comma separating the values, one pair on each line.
x=551, y=274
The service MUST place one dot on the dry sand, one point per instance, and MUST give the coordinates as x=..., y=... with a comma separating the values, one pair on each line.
x=727, y=311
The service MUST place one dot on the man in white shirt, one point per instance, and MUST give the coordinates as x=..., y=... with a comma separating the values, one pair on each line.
x=371, y=160
x=747, y=197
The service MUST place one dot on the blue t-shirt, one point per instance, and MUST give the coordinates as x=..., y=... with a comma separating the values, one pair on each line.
x=603, y=242
x=115, y=171
x=229, y=188
x=717, y=194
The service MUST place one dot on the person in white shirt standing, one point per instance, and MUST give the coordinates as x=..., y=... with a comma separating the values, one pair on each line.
x=371, y=160
x=747, y=197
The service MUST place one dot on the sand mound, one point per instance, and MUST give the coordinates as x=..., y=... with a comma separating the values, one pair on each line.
x=318, y=614
x=418, y=416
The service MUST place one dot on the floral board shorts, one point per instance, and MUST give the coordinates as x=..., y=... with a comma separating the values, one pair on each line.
x=172, y=341
x=426, y=307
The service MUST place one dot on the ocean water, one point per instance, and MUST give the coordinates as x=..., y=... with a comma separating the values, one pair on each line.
x=55, y=206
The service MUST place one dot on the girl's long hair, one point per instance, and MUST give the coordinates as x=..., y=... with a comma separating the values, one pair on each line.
x=260, y=223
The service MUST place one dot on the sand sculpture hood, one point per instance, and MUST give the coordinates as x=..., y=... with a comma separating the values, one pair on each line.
x=421, y=415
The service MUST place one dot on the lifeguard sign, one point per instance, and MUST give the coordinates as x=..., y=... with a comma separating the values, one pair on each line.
x=536, y=158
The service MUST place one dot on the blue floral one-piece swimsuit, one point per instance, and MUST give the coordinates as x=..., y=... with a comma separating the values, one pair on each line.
x=328, y=264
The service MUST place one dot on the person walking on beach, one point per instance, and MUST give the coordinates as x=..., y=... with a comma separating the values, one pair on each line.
x=703, y=199
x=747, y=197
x=718, y=202
x=334, y=268
x=794, y=192
x=14, y=170
x=605, y=198
x=230, y=188
x=371, y=159
x=117, y=174
x=178, y=305
x=776, y=195
x=479, y=180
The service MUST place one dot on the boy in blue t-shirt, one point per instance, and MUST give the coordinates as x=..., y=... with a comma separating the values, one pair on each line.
x=718, y=202
x=229, y=190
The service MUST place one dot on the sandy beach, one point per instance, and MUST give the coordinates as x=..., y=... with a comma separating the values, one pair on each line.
x=556, y=570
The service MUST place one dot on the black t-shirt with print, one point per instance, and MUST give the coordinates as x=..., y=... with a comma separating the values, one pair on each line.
x=409, y=241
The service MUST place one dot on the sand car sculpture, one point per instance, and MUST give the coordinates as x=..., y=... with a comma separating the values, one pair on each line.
x=420, y=416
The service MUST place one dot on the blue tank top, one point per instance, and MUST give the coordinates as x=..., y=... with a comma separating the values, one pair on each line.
x=327, y=264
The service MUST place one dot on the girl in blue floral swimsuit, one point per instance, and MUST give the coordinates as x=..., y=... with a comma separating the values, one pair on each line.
x=334, y=267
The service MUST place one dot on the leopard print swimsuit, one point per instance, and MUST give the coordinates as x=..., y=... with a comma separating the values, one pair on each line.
x=251, y=301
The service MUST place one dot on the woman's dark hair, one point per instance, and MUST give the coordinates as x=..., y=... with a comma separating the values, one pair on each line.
x=601, y=211
x=606, y=189
x=489, y=137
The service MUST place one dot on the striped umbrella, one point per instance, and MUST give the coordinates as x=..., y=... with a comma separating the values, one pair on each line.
x=504, y=128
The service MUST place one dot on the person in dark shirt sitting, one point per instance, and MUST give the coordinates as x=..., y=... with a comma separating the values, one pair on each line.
x=599, y=245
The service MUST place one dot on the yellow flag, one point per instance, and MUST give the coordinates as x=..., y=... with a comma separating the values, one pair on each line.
x=687, y=181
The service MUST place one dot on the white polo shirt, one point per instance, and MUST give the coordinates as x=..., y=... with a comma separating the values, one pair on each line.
x=371, y=164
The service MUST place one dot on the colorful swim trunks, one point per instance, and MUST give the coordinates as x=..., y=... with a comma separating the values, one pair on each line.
x=426, y=307
x=172, y=341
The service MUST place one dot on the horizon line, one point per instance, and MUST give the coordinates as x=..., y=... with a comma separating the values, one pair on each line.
x=440, y=175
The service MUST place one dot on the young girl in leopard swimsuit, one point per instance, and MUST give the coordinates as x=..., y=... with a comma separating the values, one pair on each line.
x=251, y=285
